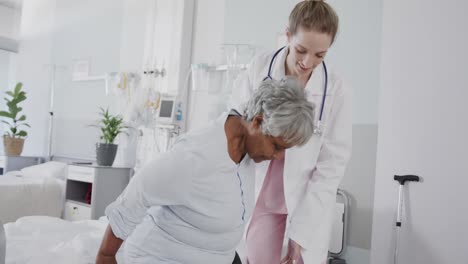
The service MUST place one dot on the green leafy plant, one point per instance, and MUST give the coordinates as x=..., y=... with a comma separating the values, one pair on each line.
x=15, y=119
x=111, y=126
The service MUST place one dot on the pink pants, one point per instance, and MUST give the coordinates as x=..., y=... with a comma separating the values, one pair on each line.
x=265, y=238
x=265, y=234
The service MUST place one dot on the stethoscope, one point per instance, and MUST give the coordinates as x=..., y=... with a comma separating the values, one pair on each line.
x=318, y=123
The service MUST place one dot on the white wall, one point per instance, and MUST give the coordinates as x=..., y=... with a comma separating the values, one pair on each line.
x=4, y=83
x=208, y=34
x=35, y=52
x=133, y=29
x=59, y=33
x=356, y=54
x=112, y=36
x=4, y=70
x=9, y=27
x=6, y=20
x=90, y=30
x=423, y=130
x=257, y=22
x=8, y=61
x=9, y=22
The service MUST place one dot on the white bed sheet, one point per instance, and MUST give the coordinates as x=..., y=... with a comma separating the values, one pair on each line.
x=50, y=240
x=23, y=196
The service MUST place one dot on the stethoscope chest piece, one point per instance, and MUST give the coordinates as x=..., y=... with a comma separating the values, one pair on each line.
x=318, y=128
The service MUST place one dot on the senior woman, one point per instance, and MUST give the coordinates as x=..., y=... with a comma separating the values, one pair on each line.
x=191, y=204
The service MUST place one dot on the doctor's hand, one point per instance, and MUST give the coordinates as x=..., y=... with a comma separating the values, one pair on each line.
x=294, y=253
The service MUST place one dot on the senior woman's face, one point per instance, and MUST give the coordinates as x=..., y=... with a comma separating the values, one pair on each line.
x=261, y=147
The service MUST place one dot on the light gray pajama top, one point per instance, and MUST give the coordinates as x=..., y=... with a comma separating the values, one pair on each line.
x=189, y=205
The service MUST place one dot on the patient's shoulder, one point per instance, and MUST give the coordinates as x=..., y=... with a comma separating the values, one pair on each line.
x=203, y=145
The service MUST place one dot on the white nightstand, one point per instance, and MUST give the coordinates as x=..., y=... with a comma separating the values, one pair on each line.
x=105, y=184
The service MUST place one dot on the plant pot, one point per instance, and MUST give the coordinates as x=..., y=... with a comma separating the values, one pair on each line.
x=13, y=146
x=105, y=154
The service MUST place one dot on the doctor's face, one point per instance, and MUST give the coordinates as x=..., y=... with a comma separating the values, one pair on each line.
x=261, y=147
x=307, y=49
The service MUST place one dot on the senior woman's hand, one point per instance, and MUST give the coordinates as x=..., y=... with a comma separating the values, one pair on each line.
x=294, y=253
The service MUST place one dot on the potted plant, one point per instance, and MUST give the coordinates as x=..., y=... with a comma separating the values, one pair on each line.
x=111, y=126
x=13, y=140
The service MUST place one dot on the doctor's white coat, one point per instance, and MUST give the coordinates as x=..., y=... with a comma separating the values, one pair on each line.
x=312, y=172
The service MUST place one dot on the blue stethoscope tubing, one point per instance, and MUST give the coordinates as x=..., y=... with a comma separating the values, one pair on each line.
x=324, y=90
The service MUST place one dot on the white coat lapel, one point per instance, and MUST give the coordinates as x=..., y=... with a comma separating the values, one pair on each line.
x=316, y=83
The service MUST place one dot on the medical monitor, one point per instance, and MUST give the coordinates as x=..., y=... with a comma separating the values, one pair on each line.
x=167, y=109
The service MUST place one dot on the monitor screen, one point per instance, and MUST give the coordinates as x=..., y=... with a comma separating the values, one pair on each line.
x=166, y=108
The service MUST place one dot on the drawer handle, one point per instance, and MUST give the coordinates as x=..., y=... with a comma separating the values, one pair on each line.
x=82, y=172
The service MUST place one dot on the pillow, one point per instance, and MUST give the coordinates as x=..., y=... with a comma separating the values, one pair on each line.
x=14, y=174
x=49, y=169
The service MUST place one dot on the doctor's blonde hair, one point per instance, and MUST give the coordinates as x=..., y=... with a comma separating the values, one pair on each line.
x=285, y=109
x=314, y=15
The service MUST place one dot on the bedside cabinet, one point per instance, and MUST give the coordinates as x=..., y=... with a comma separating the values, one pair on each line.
x=90, y=189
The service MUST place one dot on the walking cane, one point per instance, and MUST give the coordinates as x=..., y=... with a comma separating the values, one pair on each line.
x=401, y=179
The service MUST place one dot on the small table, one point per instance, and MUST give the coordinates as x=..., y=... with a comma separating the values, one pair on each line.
x=91, y=188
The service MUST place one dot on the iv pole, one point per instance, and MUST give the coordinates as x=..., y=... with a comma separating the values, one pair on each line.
x=53, y=68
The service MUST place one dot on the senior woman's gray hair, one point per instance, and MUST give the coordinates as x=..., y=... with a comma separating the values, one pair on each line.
x=286, y=111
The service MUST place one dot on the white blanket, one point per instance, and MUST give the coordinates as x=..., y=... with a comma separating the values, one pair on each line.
x=36, y=190
x=50, y=240
x=29, y=196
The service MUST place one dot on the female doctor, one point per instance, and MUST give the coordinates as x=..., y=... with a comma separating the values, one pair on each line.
x=296, y=194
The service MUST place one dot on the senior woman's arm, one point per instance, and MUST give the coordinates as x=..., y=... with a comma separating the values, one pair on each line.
x=109, y=247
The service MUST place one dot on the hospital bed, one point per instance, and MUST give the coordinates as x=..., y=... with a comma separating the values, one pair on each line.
x=78, y=242
x=34, y=190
